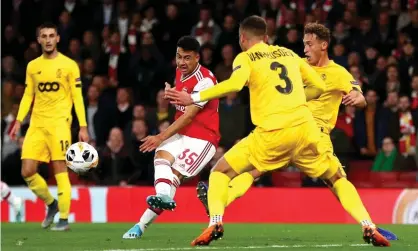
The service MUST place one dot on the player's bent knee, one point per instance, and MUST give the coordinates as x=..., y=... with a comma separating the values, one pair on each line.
x=164, y=155
x=223, y=166
x=29, y=167
x=330, y=181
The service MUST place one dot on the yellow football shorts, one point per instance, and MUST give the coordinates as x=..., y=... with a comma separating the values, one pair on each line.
x=271, y=150
x=325, y=144
x=46, y=143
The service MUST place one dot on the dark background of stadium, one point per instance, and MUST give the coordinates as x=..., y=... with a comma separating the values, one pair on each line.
x=375, y=40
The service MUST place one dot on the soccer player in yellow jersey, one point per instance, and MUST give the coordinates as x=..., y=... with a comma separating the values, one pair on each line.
x=340, y=87
x=53, y=84
x=285, y=129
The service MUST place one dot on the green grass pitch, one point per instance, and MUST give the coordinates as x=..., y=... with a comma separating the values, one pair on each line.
x=173, y=237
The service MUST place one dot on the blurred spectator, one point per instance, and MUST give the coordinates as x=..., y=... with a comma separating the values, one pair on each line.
x=163, y=111
x=271, y=31
x=412, y=28
x=398, y=18
x=66, y=29
x=370, y=126
x=414, y=94
x=206, y=24
x=124, y=108
x=11, y=44
x=90, y=47
x=391, y=102
x=10, y=69
x=74, y=50
x=402, y=127
x=142, y=162
x=224, y=69
x=12, y=165
x=174, y=28
x=386, y=36
x=294, y=42
x=105, y=14
x=115, y=167
x=207, y=59
x=339, y=55
x=387, y=158
x=138, y=113
x=150, y=21
x=232, y=117
x=114, y=61
x=228, y=34
x=345, y=121
x=92, y=107
x=8, y=145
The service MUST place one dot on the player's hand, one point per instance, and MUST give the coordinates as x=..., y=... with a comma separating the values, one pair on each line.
x=15, y=130
x=83, y=134
x=179, y=97
x=150, y=143
x=167, y=87
x=353, y=98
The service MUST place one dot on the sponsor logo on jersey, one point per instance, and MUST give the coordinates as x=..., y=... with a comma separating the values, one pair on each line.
x=406, y=208
x=48, y=87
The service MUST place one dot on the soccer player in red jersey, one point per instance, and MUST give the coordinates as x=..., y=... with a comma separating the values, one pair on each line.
x=188, y=144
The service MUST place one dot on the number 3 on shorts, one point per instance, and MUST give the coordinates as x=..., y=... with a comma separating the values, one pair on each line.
x=191, y=157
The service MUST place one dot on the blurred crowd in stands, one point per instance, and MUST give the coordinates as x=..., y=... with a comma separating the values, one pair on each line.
x=126, y=52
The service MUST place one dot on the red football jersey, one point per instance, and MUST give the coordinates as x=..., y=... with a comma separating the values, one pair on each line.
x=205, y=124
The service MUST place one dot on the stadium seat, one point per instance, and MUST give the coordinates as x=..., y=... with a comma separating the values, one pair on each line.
x=384, y=179
x=396, y=184
x=408, y=176
x=362, y=184
x=286, y=179
x=359, y=175
x=360, y=165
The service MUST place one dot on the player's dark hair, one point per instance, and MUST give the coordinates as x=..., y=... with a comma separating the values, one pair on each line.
x=189, y=43
x=48, y=25
x=321, y=32
x=255, y=25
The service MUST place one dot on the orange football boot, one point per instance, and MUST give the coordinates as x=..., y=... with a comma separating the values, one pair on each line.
x=209, y=234
x=370, y=234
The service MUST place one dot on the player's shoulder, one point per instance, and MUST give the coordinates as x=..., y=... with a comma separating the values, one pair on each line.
x=66, y=60
x=339, y=69
x=206, y=73
x=34, y=63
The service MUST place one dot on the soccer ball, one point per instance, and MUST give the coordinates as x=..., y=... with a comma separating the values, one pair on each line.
x=81, y=157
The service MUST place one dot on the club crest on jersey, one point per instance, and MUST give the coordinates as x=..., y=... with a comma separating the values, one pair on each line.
x=354, y=82
x=59, y=73
x=323, y=76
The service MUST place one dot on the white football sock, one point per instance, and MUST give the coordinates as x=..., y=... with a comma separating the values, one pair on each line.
x=146, y=219
x=174, y=186
x=6, y=194
x=215, y=219
x=163, y=176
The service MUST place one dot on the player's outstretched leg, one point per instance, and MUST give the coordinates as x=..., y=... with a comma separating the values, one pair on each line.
x=39, y=187
x=386, y=233
x=14, y=201
x=148, y=216
x=163, y=183
x=351, y=201
x=237, y=188
x=217, y=198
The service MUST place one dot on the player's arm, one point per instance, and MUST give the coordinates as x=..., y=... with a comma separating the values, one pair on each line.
x=180, y=123
x=27, y=98
x=350, y=87
x=76, y=93
x=240, y=75
x=314, y=85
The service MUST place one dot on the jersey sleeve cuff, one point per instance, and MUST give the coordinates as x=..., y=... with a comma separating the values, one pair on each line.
x=195, y=97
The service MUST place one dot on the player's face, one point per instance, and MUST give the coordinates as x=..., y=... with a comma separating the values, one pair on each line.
x=313, y=48
x=186, y=61
x=48, y=39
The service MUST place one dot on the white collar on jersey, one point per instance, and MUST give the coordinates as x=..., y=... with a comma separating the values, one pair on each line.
x=182, y=79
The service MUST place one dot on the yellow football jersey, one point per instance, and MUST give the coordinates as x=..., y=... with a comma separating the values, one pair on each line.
x=338, y=82
x=275, y=81
x=55, y=85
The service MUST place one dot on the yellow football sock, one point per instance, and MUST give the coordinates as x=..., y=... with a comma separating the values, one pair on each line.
x=239, y=186
x=350, y=200
x=64, y=194
x=39, y=187
x=218, y=193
